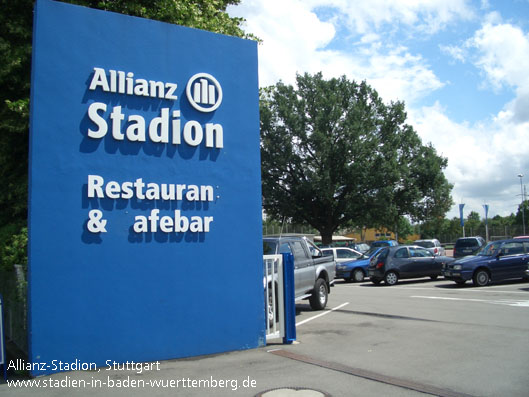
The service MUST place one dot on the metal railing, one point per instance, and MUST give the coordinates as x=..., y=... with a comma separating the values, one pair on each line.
x=274, y=296
x=14, y=291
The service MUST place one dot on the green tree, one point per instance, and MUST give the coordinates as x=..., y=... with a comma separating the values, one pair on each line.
x=404, y=228
x=16, y=23
x=333, y=154
x=201, y=14
x=472, y=223
x=16, y=18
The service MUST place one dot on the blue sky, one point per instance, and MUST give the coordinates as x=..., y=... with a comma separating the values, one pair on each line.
x=460, y=66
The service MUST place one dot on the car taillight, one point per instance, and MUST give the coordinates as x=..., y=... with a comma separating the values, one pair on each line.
x=380, y=264
x=435, y=250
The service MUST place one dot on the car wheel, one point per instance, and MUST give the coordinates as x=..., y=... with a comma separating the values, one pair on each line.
x=318, y=300
x=357, y=275
x=434, y=277
x=481, y=278
x=391, y=278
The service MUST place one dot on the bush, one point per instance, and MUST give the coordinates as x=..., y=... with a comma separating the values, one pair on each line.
x=15, y=251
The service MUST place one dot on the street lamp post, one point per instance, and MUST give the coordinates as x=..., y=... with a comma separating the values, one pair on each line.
x=523, y=207
x=486, y=208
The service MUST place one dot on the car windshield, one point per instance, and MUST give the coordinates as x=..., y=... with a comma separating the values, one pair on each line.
x=371, y=251
x=425, y=244
x=489, y=249
x=381, y=255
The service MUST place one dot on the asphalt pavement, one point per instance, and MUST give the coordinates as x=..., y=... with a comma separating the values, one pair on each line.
x=420, y=337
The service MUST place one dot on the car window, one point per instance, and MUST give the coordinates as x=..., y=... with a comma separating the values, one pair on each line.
x=345, y=253
x=402, y=253
x=513, y=248
x=526, y=247
x=425, y=244
x=419, y=253
x=285, y=249
x=489, y=249
x=299, y=252
x=327, y=252
x=269, y=248
x=314, y=250
x=467, y=243
x=381, y=255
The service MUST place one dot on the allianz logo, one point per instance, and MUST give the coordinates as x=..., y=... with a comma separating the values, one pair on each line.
x=204, y=92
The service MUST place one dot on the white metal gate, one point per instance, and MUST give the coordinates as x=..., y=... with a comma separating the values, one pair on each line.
x=273, y=293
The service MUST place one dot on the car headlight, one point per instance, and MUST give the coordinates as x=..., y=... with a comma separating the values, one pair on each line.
x=458, y=267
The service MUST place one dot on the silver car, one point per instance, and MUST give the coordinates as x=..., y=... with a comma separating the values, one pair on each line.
x=432, y=245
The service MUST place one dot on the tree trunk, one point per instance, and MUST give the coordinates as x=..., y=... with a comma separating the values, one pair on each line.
x=326, y=237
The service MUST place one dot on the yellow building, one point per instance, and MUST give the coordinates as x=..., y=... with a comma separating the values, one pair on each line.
x=370, y=235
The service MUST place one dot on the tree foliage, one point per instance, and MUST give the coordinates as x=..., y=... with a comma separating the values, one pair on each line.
x=333, y=154
x=201, y=14
x=16, y=23
x=522, y=215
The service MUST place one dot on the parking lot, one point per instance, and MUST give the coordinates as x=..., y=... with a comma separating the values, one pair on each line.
x=417, y=338
x=435, y=334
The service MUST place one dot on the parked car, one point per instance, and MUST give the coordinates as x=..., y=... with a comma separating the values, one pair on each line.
x=341, y=254
x=498, y=260
x=384, y=243
x=401, y=262
x=468, y=246
x=432, y=245
x=357, y=270
x=313, y=272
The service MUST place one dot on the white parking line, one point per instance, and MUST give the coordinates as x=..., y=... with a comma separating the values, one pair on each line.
x=322, y=314
x=515, y=303
x=482, y=289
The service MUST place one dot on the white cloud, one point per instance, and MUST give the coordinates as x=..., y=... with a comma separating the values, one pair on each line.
x=295, y=40
x=484, y=158
x=503, y=54
x=426, y=16
x=503, y=57
x=458, y=53
x=400, y=75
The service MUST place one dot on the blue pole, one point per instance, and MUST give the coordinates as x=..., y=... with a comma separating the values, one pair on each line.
x=289, y=297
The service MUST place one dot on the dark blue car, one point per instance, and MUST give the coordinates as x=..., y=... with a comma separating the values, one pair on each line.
x=498, y=260
x=356, y=270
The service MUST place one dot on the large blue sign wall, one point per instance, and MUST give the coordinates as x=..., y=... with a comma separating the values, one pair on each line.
x=145, y=193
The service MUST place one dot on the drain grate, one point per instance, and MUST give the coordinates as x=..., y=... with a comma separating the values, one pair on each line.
x=292, y=392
